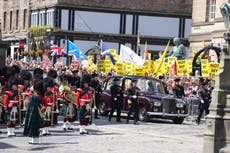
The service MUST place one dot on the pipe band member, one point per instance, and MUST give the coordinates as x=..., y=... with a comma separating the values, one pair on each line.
x=34, y=118
x=83, y=100
x=11, y=105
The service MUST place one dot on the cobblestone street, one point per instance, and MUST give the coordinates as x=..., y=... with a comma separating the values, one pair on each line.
x=151, y=137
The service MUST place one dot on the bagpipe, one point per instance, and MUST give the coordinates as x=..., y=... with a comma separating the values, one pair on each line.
x=70, y=97
x=90, y=105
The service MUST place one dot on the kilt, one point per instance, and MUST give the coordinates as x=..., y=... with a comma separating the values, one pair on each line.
x=82, y=112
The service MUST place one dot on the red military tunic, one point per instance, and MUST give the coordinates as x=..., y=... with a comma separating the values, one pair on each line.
x=81, y=100
x=6, y=100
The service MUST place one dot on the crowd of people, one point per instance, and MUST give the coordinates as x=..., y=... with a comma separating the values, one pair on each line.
x=36, y=92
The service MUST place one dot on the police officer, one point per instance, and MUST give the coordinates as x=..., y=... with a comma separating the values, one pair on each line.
x=97, y=90
x=116, y=97
x=205, y=97
x=132, y=101
x=178, y=90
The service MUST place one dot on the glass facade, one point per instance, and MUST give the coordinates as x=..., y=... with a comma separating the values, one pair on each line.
x=65, y=19
x=158, y=26
x=188, y=25
x=129, y=24
x=96, y=22
x=108, y=23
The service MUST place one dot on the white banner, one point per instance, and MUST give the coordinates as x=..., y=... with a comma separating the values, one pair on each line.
x=128, y=55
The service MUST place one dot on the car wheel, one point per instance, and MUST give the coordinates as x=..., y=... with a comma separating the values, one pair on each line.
x=143, y=114
x=102, y=109
x=178, y=120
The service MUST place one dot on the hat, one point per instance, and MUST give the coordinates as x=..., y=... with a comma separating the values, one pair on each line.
x=75, y=71
x=177, y=79
x=161, y=77
x=86, y=78
x=116, y=79
x=94, y=75
x=134, y=80
x=52, y=73
x=25, y=75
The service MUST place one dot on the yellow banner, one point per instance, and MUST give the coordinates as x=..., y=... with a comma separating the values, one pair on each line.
x=204, y=67
x=181, y=69
x=120, y=68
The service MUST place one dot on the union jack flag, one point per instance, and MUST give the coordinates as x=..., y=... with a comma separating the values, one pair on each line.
x=56, y=50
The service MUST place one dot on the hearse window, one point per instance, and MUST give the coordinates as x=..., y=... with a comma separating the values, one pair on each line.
x=110, y=83
x=141, y=84
x=127, y=84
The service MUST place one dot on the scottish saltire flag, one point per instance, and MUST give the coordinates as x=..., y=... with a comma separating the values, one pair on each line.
x=128, y=55
x=75, y=52
x=105, y=51
x=56, y=50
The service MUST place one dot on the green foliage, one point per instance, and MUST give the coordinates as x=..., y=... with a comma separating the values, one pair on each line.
x=40, y=31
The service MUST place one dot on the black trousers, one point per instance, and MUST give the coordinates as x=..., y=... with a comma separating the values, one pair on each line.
x=97, y=103
x=133, y=108
x=203, y=107
x=116, y=105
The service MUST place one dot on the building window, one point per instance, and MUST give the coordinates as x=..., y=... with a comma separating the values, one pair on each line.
x=64, y=19
x=17, y=15
x=50, y=17
x=158, y=26
x=129, y=24
x=24, y=18
x=212, y=11
x=42, y=17
x=96, y=22
x=34, y=18
x=4, y=21
x=11, y=20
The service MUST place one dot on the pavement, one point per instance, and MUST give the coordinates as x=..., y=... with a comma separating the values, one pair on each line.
x=156, y=136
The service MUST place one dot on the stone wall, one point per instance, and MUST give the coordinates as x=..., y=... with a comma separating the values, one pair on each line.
x=202, y=28
x=15, y=33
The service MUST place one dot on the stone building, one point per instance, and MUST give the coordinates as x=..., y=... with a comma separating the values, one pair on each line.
x=207, y=24
x=15, y=23
x=87, y=21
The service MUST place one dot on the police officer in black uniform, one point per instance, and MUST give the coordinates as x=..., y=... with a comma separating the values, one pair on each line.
x=178, y=90
x=116, y=97
x=205, y=97
x=162, y=79
x=95, y=84
x=132, y=101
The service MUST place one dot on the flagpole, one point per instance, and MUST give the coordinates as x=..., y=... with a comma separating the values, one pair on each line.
x=67, y=51
x=138, y=44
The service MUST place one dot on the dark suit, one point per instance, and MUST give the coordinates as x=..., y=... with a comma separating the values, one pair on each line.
x=205, y=97
x=132, y=103
x=116, y=101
